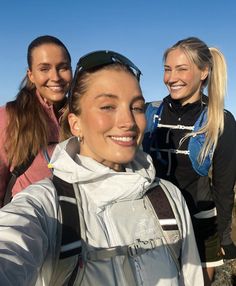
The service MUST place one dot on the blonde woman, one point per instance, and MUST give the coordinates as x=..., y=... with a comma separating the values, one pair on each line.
x=192, y=144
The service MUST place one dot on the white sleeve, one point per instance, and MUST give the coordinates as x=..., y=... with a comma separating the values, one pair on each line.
x=28, y=228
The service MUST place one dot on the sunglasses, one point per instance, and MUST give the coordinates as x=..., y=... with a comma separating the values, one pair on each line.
x=98, y=59
x=101, y=58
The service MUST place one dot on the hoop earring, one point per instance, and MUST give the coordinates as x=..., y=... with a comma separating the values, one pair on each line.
x=80, y=139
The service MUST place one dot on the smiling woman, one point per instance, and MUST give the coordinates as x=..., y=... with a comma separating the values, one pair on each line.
x=124, y=227
x=189, y=144
x=30, y=124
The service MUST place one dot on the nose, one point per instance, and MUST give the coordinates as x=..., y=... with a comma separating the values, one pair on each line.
x=55, y=75
x=126, y=119
x=170, y=76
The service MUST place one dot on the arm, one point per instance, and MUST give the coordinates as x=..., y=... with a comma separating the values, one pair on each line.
x=223, y=178
x=27, y=235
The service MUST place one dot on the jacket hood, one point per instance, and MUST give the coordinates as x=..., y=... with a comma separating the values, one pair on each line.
x=71, y=167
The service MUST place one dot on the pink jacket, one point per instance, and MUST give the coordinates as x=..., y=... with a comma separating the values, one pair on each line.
x=38, y=169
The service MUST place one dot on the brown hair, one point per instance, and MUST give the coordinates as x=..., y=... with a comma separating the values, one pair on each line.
x=27, y=130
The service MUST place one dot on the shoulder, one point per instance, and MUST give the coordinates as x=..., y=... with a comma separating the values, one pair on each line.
x=229, y=118
x=170, y=189
x=41, y=195
x=3, y=116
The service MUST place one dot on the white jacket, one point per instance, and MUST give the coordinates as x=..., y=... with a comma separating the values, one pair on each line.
x=30, y=226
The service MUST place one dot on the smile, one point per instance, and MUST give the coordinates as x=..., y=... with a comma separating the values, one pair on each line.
x=123, y=139
x=56, y=88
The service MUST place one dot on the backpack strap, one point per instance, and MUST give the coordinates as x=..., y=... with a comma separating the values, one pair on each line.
x=168, y=218
x=195, y=145
x=71, y=237
x=17, y=172
x=153, y=113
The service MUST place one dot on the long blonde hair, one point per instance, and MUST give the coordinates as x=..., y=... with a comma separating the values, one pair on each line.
x=216, y=83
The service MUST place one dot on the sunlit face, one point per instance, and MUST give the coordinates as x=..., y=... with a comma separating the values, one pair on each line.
x=51, y=72
x=182, y=77
x=112, y=119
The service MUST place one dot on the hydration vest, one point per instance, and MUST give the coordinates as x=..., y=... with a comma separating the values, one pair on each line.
x=153, y=116
x=72, y=243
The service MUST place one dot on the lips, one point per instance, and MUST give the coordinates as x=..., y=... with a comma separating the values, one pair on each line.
x=126, y=141
x=176, y=87
x=57, y=88
x=123, y=139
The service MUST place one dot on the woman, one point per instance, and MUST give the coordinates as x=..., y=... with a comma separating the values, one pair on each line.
x=102, y=175
x=192, y=133
x=30, y=124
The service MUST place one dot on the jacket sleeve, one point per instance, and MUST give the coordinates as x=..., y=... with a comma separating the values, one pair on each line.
x=27, y=236
x=223, y=178
x=4, y=166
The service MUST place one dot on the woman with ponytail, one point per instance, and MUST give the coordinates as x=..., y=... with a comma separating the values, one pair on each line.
x=193, y=144
x=30, y=124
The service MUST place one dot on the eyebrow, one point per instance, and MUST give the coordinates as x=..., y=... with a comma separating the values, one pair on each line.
x=48, y=64
x=178, y=65
x=109, y=95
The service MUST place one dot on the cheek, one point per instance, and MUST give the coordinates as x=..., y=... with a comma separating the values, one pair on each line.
x=165, y=78
x=141, y=123
x=39, y=80
x=96, y=123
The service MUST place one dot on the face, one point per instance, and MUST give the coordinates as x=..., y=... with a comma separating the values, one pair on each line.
x=182, y=77
x=112, y=119
x=51, y=72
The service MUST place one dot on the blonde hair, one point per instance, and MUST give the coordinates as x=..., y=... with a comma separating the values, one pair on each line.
x=216, y=83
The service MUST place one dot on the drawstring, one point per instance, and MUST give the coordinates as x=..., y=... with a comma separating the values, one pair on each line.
x=47, y=158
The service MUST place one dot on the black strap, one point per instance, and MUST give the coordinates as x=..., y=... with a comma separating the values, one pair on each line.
x=70, y=222
x=162, y=206
x=17, y=172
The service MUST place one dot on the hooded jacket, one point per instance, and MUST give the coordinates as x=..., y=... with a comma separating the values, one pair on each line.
x=30, y=226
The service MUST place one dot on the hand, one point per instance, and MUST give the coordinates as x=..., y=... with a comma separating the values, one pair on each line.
x=229, y=251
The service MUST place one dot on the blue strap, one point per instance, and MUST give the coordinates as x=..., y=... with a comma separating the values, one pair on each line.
x=153, y=113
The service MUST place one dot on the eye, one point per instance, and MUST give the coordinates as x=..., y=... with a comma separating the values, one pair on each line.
x=44, y=70
x=182, y=69
x=107, y=107
x=138, y=108
x=64, y=67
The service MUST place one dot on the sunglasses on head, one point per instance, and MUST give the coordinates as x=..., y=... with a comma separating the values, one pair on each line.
x=101, y=58
x=98, y=59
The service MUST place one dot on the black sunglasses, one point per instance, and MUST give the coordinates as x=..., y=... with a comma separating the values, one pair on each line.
x=98, y=59
x=101, y=58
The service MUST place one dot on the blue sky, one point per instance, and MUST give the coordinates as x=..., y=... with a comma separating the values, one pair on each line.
x=140, y=29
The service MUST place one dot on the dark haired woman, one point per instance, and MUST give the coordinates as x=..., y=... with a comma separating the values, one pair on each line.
x=30, y=124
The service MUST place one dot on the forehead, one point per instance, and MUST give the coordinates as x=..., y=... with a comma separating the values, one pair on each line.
x=48, y=52
x=178, y=57
x=113, y=80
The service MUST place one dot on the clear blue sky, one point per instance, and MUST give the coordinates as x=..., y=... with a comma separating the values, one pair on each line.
x=140, y=29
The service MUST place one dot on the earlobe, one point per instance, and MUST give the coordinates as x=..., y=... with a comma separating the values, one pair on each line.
x=74, y=123
x=205, y=73
x=30, y=75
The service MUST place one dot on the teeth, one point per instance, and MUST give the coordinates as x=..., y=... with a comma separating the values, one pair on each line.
x=124, y=139
x=176, y=87
x=56, y=88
